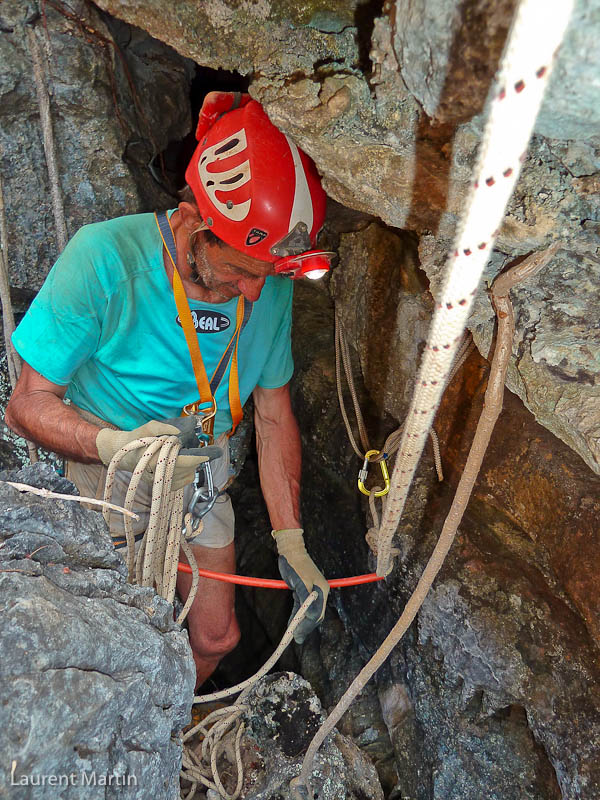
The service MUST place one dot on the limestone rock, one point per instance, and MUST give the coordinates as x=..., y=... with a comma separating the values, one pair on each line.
x=97, y=680
x=570, y=110
x=385, y=311
x=440, y=53
x=496, y=679
x=105, y=131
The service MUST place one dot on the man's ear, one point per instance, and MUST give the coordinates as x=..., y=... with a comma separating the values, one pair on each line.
x=190, y=217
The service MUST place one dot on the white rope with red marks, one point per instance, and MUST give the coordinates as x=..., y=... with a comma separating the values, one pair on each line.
x=535, y=36
x=527, y=60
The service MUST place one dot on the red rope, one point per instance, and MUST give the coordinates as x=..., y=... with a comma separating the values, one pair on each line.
x=267, y=583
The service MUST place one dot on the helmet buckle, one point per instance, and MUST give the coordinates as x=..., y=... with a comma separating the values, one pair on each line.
x=296, y=242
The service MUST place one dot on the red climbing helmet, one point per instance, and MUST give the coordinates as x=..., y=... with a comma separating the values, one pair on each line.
x=255, y=189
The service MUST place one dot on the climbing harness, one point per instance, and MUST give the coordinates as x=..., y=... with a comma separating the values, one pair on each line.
x=205, y=408
x=525, y=69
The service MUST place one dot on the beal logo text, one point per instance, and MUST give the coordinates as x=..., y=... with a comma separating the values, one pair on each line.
x=208, y=321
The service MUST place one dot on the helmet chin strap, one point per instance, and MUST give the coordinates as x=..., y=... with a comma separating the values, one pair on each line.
x=190, y=257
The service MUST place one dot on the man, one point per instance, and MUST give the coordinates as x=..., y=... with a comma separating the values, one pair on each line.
x=106, y=332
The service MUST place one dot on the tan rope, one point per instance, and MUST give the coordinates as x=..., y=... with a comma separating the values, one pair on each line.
x=491, y=410
x=48, y=138
x=13, y=359
x=25, y=487
x=216, y=726
x=156, y=565
x=342, y=357
x=392, y=443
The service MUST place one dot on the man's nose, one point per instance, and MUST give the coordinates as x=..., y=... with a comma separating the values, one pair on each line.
x=251, y=287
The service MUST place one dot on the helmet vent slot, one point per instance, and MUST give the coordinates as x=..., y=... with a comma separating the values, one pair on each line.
x=229, y=145
x=234, y=179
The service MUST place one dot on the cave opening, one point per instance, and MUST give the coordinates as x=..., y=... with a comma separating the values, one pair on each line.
x=491, y=691
x=174, y=159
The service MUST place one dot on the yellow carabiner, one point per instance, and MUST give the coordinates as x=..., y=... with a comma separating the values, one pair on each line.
x=362, y=475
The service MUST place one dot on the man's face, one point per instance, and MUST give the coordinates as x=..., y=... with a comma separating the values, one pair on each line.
x=227, y=272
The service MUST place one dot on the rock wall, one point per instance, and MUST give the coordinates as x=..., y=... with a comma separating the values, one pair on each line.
x=491, y=694
x=96, y=679
x=388, y=102
x=117, y=98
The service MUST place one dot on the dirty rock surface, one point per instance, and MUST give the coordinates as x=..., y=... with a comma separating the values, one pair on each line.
x=96, y=679
x=282, y=716
x=117, y=97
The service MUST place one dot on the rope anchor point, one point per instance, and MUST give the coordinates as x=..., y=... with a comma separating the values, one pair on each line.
x=362, y=474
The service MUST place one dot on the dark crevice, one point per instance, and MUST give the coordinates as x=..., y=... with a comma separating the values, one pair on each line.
x=364, y=19
x=178, y=153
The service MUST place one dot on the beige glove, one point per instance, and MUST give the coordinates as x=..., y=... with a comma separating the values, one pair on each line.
x=110, y=442
x=300, y=573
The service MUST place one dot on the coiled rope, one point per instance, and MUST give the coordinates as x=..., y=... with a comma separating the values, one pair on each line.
x=155, y=565
x=513, y=107
x=526, y=66
x=156, y=562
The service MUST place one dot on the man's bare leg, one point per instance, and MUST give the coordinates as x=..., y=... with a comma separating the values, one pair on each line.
x=213, y=627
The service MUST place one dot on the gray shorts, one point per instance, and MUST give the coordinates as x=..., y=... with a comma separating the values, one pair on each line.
x=219, y=523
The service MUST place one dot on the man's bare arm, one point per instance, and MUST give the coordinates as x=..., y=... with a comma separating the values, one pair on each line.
x=279, y=455
x=36, y=411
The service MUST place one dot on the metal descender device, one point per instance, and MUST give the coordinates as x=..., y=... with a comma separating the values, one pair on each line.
x=205, y=492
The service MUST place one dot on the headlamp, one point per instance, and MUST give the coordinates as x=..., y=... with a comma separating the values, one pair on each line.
x=313, y=264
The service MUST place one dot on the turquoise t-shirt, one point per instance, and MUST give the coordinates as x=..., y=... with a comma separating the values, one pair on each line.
x=105, y=324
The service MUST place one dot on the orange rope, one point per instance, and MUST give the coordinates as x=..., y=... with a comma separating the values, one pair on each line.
x=268, y=583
